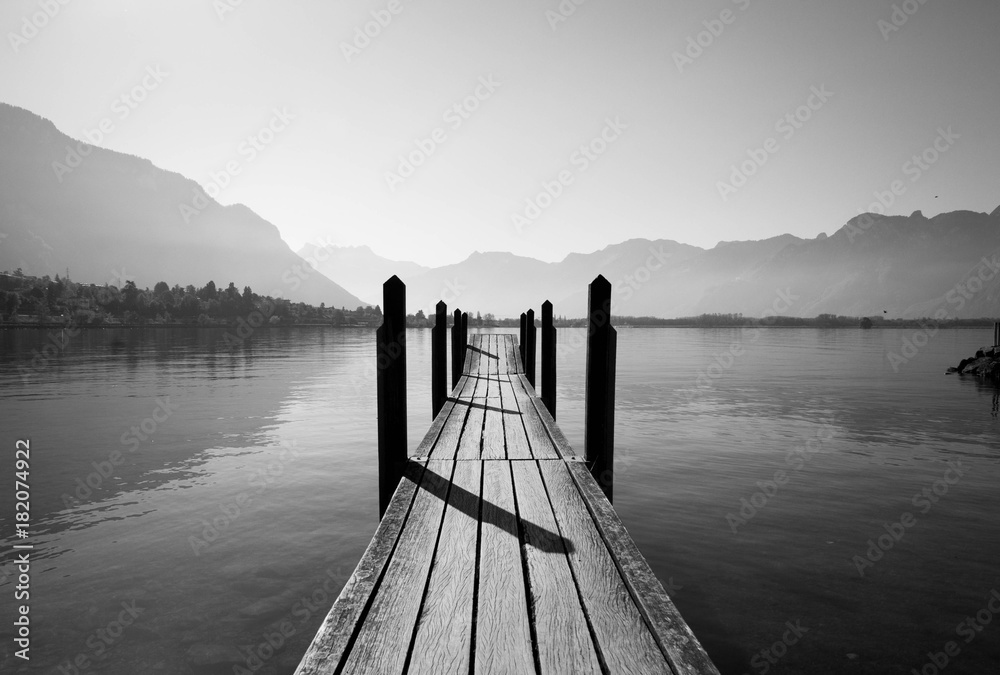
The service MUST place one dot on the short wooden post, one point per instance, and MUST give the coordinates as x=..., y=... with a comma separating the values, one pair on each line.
x=599, y=416
x=457, y=351
x=529, y=346
x=391, y=383
x=439, y=359
x=548, y=359
x=522, y=337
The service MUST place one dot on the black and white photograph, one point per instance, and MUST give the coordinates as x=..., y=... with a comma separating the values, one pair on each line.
x=531, y=337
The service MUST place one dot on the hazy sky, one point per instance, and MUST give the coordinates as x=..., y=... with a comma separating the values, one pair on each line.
x=664, y=97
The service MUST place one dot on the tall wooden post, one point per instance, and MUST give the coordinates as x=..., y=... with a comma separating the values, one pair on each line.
x=548, y=359
x=529, y=346
x=391, y=382
x=996, y=334
x=457, y=351
x=465, y=340
x=439, y=359
x=599, y=417
x=522, y=338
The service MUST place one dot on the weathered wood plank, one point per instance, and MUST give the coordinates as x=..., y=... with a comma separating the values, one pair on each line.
x=443, y=642
x=671, y=632
x=515, y=437
x=493, y=433
x=470, y=445
x=503, y=345
x=513, y=357
x=331, y=641
x=471, y=364
x=623, y=638
x=562, y=446
x=383, y=640
x=503, y=635
x=538, y=438
x=562, y=634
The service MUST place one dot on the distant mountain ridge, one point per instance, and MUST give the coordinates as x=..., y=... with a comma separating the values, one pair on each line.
x=896, y=266
x=109, y=217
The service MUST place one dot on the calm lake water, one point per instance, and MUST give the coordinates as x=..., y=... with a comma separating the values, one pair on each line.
x=231, y=493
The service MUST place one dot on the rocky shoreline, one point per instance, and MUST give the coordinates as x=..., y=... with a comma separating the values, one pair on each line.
x=986, y=363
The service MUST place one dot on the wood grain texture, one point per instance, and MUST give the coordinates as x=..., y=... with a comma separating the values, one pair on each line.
x=470, y=444
x=562, y=446
x=672, y=633
x=384, y=637
x=538, y=437
x=623, y=638
x=515, y=437
x=503, y=355
x=493, y=434
x=342, y=622
x=443, y=641
x=503, y=636
x=564, y=642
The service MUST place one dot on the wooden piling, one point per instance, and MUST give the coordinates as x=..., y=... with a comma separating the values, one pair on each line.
x=996, y=334
x=391, y=385
x=465, y=338
x=439, y=359
x=457, y=351
x=522, y=336
x=548, y=359
x=530, y=335
x=599, y=417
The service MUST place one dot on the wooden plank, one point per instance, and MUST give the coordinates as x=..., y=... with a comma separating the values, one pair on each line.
x=515, y=437
x=503, y=635
x=470, y=444
x=672, y=633
x=538, y=438
x=443, y=641
x=563, y=637
x=623, y=638
x=562, y=446
x=502, y=354
x=471, y=364
x=493, y=433
x=513, y=360
x=383, y=640
x=332, y=639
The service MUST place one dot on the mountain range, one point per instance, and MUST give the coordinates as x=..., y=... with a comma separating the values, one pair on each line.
x=894, y=266
x=108, y=216
x=111, y=217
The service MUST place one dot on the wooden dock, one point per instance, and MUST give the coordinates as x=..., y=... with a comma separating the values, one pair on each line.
x=498, y=552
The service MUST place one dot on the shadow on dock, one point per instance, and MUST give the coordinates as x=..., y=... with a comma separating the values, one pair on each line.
x=469, y=504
